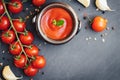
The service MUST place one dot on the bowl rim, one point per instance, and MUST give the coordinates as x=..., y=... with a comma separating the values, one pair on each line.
x=66, y=7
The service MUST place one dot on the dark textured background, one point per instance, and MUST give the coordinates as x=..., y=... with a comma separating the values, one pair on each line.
x=78, y=59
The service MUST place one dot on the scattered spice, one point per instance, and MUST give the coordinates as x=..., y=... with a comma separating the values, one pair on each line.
x=42, y=73
x=102, y=35
x=39, y=45
x=31, y=79
x=87, y=39
x=1, y=64
x=31, y=5
x=103, y=40
x=106, y=34
x=103, y=12
x=31, y=13
x=3, y=51
x=85, y=16
x=3, y=58
x=27, y=17
x=86, y=27
x=97, y=9
x=45, y=43
x=90, y=37
x=107, y=28
x=27, y=9
x=113, y=28
x=95, y=38
x=36, y=10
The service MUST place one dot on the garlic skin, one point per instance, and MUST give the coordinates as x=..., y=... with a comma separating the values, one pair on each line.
x=8, y=74
x=102, y=5
x=85, y=3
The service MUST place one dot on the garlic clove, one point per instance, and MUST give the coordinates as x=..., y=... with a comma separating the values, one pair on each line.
x=102, y=5
x=8, y=74
x=85, y=3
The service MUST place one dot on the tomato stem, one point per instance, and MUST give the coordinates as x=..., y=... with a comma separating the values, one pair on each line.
x=28, y=46
x=24, y=1
x=16, y=33
x=2, y=15
x=86, y=16
x=20, y=32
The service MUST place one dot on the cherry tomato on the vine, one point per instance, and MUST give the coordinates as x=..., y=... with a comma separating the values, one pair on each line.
x=8, y=36
x=4, y=23
x=38, y=2
x=20, y=61
x=32, y=50
x=30, y=71
x=39, y=62
x=15, y=6
x=2, y=10
x=99, y=24
x=15, y=48
x=19, y=25
x=26, y=38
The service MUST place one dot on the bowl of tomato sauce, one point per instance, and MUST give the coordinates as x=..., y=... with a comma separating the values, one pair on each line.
x=57, y=23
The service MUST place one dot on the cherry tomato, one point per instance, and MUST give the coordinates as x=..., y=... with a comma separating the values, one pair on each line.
x=20, y=61
x=39, y=62
x=32, y=50
x=8, y=36
x=26, y=38
x=2, y=10
x=15, y=48
x=99, y=24
x=19, y=25
x=4, y=23
x=15, y=6
x=38, y=2
x=30, y=71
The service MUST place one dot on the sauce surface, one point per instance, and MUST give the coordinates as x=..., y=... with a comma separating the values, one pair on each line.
x=56, y=32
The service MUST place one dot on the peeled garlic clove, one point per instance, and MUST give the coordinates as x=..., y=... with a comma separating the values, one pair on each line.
x=8, y=74
x=85, y=3
x=102, y=5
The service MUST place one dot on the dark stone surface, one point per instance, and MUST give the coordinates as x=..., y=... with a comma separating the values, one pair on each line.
x=78, y=59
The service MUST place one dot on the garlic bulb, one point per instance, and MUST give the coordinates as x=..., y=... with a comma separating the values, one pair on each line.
x=102, y=5
x=8, y=74
x=85, y=3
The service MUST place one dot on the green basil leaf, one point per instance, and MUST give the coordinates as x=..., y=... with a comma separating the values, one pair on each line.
x=58, y=23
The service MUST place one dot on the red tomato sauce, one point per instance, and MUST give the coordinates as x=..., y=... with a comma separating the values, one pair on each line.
x=56, y=32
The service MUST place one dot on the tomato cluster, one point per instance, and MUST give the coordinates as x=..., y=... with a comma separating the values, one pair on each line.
x=19, y=39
